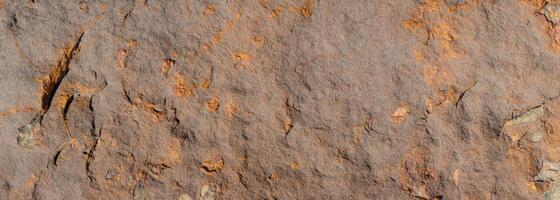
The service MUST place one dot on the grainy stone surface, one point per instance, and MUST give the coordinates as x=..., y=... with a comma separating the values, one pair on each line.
x=278, y=99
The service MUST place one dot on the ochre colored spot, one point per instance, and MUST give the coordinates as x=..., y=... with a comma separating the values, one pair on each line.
x=210, y=10
x=213, y=104
x=30, y=182
x=305, y=9
x=537, y=3
x=231, y=109
x=274, y=176
x=412, y=24
x=400, y=114
x=532, y=186
x=77, y=87
x=104, y=6
x=204, y=84
x=167, y=64
x=430, y=72
x=157, y=114
x=437, y=76
x=240, y=57
x=173, y=148
x=259, y=40
x=15, y=110
x=74, y=143
x=217, y=37
x=445, y=36
x=456, y=175
x=213, y=165
x=264, y=3
x=121, y=58
x=294, y=165
x=418, y=55
x=276, y=11
x=180, y=88
x=215, y=40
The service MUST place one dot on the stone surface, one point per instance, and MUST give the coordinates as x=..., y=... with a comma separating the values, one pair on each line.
x=278, y=99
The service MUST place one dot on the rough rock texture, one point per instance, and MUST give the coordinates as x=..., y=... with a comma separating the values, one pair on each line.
x=279, y=99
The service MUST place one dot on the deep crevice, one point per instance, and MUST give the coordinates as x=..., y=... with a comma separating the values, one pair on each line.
x=56, y=76
x=96, y=135
x=463, y=94
x=90, y=158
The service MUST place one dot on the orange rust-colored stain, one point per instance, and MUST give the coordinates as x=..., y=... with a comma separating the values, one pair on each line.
x=553, y=32
x=213, y=165
x=531, y=185
x=536, y=3
x=11, y=111
x=287, y=125
x=400, y=114
x=151, y=108
x=294, y=9
x=217, y=37
x=430, y=104
x=305, y=9
x=264, y=3
x=358, y=134
x=443, y=96
x=122, y=54
x=416, y=21
x=140, y=175
x=30, y=182
x=274, y=176
x=437, y=28
x=431, y=5
x=437, y=76
x=456, y=175
x=415, y=172
x=259, y=40
x=74, y=143
x=231, y=109
x=468, y=4
x=450, y=95
x=419, y=55
x=412, y=24
x=173, y=148
x=513, y=99
x=294, y=165
x=276, y=11
x=210, y=10
x=181, y=88
x=213, y=104
x=359, y=129
x=174, y=53
x=204, y=84
x=104, y=6
x=132, y=43
x=77, y=87
x=156, y=113
x=62, y=103
x=167, y=64
x=121, y=58
x=205, y=48
x=240, y=57
x=430, y=72
x=443, y=32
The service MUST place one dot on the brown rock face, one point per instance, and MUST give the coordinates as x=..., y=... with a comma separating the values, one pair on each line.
x=278, y=99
